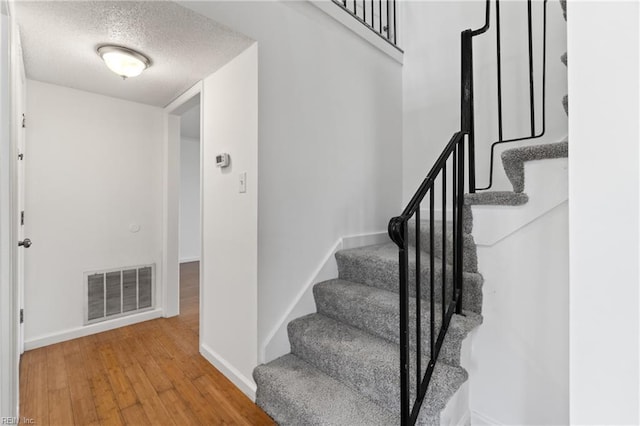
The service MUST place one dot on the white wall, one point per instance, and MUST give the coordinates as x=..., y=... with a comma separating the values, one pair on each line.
x=189, y=199
x=431, y=81
x=604, y=182
x=229, y=282
x=519, y=372
x=330, y=134
x=93, y=170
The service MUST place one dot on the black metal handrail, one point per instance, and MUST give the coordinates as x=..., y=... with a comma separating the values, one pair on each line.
x=450, y=290
x=377, y=15
x=451, y=283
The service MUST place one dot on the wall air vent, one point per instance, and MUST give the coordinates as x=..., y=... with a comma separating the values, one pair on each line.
x=116, y=293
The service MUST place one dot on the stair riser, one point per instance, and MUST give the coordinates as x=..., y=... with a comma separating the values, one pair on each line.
x=294, y=393
x=384, y=274
x=383, y=321
x=469, y=258
x=381, y=385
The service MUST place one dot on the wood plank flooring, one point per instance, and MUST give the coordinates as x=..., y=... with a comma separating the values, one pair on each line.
x=149, y=373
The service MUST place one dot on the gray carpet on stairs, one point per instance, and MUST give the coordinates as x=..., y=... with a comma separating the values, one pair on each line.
x=377, y=266
x=470, y=259
x=375, y=311
x=496, y=198
x=366, y=363
x=295, y=393
x=513, y=159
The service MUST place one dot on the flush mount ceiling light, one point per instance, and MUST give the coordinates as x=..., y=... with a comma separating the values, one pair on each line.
x=123, y=61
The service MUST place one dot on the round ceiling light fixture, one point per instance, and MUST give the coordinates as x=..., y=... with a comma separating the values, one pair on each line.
x=123, y=61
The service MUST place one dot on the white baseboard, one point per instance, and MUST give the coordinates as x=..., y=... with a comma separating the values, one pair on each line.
x=245, y=384
x=74, y=333
x=480, y=419
x=189, y=259
x=277, y=341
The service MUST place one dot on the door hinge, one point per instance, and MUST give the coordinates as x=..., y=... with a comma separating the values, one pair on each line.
x=21, y=316
x=21, y=156
x=22, y=217
x=24, y=121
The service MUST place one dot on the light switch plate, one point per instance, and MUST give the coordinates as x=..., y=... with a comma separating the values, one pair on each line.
x=243, y=183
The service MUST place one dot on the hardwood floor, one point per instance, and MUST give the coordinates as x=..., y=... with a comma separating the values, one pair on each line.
x=144, y=374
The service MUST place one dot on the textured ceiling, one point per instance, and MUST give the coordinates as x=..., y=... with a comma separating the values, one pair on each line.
x=59, y=39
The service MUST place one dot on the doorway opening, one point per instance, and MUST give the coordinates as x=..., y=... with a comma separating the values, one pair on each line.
x=189, y=237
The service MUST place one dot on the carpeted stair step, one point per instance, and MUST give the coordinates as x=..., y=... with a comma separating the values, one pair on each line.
x=470, y=257
x=377, y=266
x=513, y=159
x=496, y=198
x=295, y=393
x=376, y=311
x=367, y=364
x=467, y=219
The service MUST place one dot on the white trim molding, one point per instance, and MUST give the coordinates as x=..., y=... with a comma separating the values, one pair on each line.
x=245, y=384
x=169, y=270
x=480, y=419
x=74, y=333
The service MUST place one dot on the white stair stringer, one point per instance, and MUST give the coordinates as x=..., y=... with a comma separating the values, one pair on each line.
x=547, y=188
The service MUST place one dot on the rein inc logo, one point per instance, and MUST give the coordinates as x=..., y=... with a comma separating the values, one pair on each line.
x=17, y=421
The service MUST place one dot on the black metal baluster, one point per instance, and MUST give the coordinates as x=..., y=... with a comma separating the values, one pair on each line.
x=373, y=18
x=388, y=20
x=544, y=68
x=432, y=296
x=418, y=311
x=531, y=89
x=444, y=239
x=364, y=11
x=454, y=218
x=404, y=328
x=395, y=38
x=380, y=13
x=460, y=286
x=499, y=73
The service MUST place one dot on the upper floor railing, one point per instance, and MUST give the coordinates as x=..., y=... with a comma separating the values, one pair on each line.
x=380, y=16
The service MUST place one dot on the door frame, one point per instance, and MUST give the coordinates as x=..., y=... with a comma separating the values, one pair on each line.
x=9, y=324
x=171, y=199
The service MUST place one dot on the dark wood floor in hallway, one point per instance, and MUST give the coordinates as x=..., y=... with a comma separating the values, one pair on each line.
x=145, y=374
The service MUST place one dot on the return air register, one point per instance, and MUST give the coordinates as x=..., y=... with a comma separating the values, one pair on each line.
x=117, y=293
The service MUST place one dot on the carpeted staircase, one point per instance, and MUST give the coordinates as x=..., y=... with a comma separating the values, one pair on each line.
x=343, y=368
